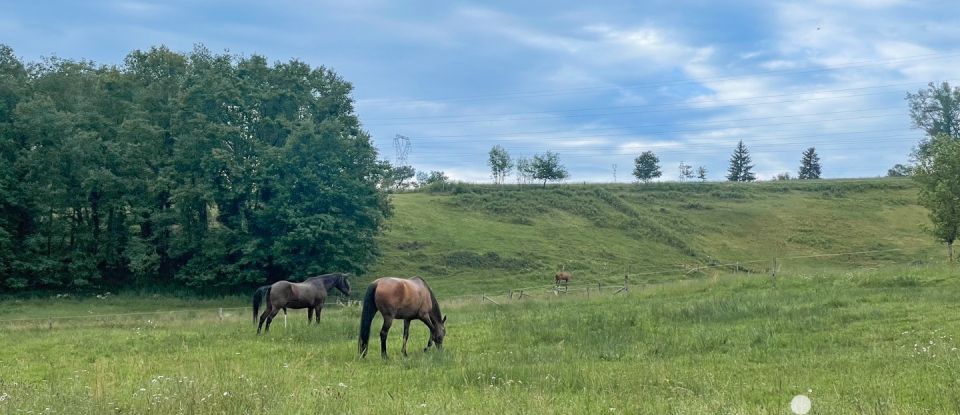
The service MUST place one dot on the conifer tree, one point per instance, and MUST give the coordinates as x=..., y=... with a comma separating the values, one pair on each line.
x=809, y=165
x=739, y=170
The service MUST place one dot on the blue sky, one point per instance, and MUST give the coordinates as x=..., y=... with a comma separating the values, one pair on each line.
x=597, y=83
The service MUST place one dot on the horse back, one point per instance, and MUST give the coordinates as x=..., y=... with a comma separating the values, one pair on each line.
x=295, y=294
x=402, y=298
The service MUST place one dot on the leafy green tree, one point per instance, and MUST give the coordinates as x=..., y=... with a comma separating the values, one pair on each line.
x=938, y=173
x=809, y=165
x=739, y=170
x=437, y=176
x=200, y=169
x=523, y=170
x=702, y=173
x=401, y=176
x=899, y=170
x=499, y=163
x=646, y=167
x=686, y=171
x=547, y=167
x=935, y=110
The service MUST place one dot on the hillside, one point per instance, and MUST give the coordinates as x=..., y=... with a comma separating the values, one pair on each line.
x=474, y=237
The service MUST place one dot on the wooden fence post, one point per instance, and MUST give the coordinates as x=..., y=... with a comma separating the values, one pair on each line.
x=220, y=313
x=490, y=300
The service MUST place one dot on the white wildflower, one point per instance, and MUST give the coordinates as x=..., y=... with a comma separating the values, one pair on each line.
x=342, y=385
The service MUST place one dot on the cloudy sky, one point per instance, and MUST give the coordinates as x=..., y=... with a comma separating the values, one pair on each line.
x=596, y=83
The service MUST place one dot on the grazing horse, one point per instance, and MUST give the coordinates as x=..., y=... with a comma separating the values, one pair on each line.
x=406, y=299
x=562, y=276
x=310, y=294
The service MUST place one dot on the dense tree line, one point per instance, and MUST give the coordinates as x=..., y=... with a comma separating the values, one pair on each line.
x=197, y=169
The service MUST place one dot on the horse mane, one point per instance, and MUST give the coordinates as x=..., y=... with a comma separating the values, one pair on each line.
x=435, y=312
x=325, y=277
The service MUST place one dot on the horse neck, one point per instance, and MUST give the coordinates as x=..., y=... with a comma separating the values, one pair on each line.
x=327, y=282
x=435, y=313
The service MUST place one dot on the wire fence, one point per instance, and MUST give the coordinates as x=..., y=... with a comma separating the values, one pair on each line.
x=606, y=285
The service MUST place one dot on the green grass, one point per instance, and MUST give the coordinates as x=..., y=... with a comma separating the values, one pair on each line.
x=874, y=342
x=867, y=333
x=479, y=238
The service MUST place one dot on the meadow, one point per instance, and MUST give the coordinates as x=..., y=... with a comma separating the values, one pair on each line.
x=861, y=318
x=869, y=341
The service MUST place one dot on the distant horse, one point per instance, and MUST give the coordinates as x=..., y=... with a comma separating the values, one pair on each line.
x=562, y=276
x=310, y=294
x=406, y=299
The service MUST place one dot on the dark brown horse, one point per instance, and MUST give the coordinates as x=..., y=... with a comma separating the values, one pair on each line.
x=310, y=294
x=406, y=299
x=562, y=276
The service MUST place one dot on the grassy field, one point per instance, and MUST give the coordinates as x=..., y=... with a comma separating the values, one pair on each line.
x=481, y=238
x=874, y=342
x=701, y=330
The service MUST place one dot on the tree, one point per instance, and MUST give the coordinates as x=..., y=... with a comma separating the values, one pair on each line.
x=809, y=165
x=739, y=170
x=899, y=170
x=400, y=176
x=686, y=171
x=782, y=176
x=547, y=167
x=938, y=173
x=500, y=164
x=436, y=176
x=193, y=169
x=646, y=167
x=524, y=170
x=702, y=173
x=936, y=110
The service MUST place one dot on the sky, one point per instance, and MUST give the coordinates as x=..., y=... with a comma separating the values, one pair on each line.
x=596, y=82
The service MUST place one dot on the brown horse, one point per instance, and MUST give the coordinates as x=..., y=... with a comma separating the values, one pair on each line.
x=562, y=276
x=406, y=299
x=310, y=294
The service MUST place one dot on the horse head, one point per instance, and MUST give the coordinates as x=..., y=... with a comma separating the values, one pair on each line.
x=438, y=333
x=343, y=284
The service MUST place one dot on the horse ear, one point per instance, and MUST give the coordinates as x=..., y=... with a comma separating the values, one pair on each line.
x=444, y=320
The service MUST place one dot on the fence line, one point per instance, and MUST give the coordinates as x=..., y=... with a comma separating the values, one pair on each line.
x=547, y=289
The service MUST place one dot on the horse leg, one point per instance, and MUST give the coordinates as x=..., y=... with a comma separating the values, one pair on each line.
x=310, y=315
x=263, y=317
x=406, y=334
x=273, y=313
x=387, y=322
x=319, y=309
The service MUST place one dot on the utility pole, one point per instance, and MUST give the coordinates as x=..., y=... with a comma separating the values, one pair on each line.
x=401, y=144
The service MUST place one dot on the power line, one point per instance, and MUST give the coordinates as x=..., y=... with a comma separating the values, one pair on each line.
x=623, y=127
x=687, y=108
x=566, y=91
x=685, y=103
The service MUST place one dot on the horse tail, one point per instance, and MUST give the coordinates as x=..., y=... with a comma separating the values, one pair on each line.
x=258, y=295
x=366, y=317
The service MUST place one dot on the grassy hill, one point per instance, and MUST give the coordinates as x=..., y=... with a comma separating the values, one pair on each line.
x=865, y=333
x=474, y=237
